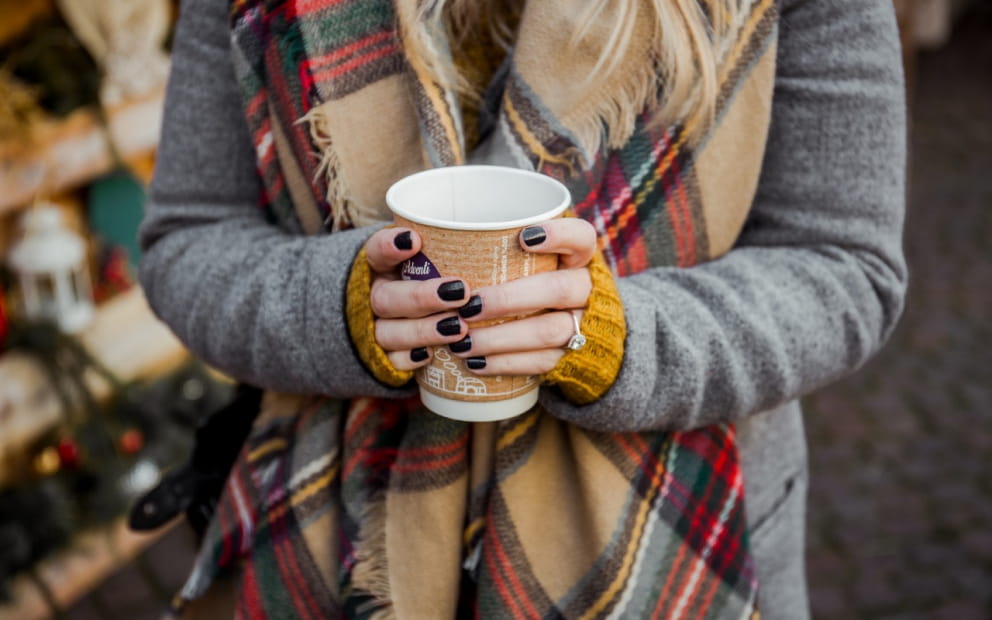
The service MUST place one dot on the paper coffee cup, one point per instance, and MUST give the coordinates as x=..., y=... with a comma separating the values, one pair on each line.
x=470, y=218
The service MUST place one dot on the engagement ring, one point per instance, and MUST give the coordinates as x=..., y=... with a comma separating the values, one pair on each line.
x=577, y=341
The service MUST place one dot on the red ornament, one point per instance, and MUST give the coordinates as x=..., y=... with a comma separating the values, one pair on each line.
x=132, y=441
x=69, y=454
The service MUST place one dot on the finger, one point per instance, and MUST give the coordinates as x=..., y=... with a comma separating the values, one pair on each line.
x=516, y=364
x=394, y=299
x=544, y=331
x=408, y=334
x=572, y=238
x=560, y=290
x=389, y=247
x=410, y=360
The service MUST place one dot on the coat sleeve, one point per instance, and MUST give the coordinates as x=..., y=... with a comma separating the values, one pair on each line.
x=265, y=306
x=815, y=283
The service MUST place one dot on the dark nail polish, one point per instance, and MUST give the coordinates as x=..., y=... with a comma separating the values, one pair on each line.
x=451, y=291
x=449, y=326
x=403, y=241
x=462, y=345
x=533, y=235
x=472, y=308
x=476, y=363
x=419, y=354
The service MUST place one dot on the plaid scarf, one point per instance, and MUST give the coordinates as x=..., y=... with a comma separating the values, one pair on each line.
x=378, y=508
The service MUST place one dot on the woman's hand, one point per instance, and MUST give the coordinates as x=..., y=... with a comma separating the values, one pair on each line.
x=411, y=316
x=532, y=345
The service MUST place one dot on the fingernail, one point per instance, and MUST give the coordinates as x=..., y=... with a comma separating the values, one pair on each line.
x=419, y=354
x=533, y=235
x=403, y=241
x=472, y=308
x=462, y=345
x=476, y=363
x=451, y=291
x=449, y=326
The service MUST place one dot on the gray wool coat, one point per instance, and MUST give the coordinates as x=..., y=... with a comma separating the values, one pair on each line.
x=812, y=288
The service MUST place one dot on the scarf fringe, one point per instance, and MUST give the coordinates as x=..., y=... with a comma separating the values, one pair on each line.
x=370, y=573
x=611, y=116
x=610, y=119
x=342, y=210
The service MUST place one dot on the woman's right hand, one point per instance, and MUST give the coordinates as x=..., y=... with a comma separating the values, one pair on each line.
x=411, y=316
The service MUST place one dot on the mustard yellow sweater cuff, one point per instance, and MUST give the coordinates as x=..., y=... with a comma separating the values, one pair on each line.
x=361, y=325
x=585, y=375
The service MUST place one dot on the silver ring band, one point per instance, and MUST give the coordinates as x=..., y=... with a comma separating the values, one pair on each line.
x=578, y=340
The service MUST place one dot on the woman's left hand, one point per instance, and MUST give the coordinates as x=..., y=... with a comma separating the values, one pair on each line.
x=532, y=345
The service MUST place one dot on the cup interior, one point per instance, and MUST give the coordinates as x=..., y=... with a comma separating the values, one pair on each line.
x=478, y=197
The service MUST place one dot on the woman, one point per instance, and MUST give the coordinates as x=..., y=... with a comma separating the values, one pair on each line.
x=737, y=170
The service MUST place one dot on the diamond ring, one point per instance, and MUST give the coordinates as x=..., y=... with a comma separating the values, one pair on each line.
x=578, y=340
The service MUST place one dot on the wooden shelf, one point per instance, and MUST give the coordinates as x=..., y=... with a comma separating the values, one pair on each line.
x=125, y=337
x=71, y=573
x=77, y=149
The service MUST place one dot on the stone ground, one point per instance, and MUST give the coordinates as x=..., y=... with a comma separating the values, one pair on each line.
x=900, y=524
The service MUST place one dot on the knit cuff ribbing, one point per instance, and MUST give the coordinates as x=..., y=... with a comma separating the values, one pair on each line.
x=361, y=325
x=585, y=375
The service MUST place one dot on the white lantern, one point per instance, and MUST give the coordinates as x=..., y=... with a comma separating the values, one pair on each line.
x=50, y=262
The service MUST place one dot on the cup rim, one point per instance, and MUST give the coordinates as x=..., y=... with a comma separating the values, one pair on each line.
x=566, y=199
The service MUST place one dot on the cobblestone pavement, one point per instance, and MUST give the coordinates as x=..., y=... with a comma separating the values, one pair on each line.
x=143, y=589
x=900, y=522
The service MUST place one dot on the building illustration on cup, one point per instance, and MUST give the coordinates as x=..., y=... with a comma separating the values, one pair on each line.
x=450, y=378
x=463, y=385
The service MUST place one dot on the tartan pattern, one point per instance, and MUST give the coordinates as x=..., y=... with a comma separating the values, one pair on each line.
x=678, y=548
x=701, y=526
x=293, y=55
x=330, y=500
x=626, y=187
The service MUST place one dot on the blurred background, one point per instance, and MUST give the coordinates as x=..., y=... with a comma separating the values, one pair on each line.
x=98, y=401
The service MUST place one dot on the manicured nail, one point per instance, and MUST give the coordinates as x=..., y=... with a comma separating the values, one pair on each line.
x=462, y=345
x=419, y=354
x=533, y=235
x=403, y=241
x=472, y=308
x=476, y=363
x=451, y=291
x=449, y=326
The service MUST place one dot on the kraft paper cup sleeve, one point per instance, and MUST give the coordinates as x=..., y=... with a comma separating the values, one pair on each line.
x=482, y=253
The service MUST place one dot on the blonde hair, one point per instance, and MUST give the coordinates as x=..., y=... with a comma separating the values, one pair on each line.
x=689, y=40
